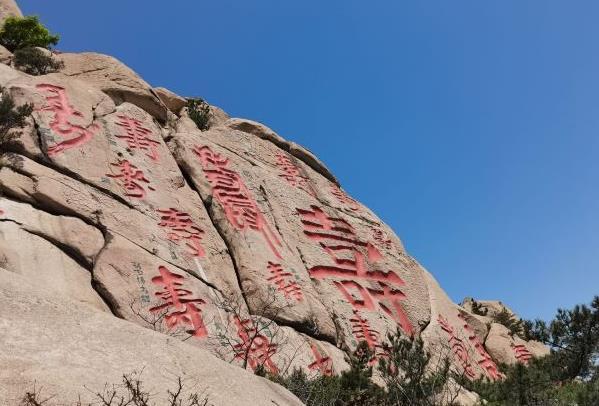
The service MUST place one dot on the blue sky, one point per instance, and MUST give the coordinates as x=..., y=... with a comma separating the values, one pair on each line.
x=470, y=127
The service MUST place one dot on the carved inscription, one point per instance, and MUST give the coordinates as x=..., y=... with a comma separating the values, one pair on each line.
x=352, y=272
x=145, y=294
x=180, y=227
x=522, y=354
x=131, y=179
x=344, y=198
x=138, y=137
x=458, y=347
x=255, y=348
x=232, y=194
x=58, y=103
x=284, y=282
x=381, y=238
x=363, y=332
x=322, y=364
x=485, y=361
x=292, y=173
x=183, y=308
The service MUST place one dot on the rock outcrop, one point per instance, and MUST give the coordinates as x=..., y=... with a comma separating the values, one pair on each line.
x=130, y=240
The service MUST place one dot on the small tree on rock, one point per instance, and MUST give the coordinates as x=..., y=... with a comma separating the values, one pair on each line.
x=26, y=32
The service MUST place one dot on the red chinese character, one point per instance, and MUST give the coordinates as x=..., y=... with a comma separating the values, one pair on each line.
x=138, y=137
x=363, y=332
x=255, y=348
x=282, y=280
x=182, y=227
x=350, y=255
x=292, y=174
x=343, y=198
x=234, y=197
x=130, y=177
x=457, y=345
x=323, y=364
x=64, y=112
x=486, y=363
x=182, y=307
x=522, y=354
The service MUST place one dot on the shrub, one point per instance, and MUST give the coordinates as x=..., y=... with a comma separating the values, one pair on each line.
x=513, y=324
x=568, y=376
x=25, y=32
x=479, y=309
x=11, y=117
x=411, y=378
x=130, y=391
x=35, y=62
x=199, y=111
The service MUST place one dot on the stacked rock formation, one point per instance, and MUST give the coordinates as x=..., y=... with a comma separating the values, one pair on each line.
x=131, y=240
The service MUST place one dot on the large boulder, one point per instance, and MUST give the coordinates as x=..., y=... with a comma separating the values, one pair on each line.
x=338, y=272
x=9, y=8
x=508, y=348
x=171, y=100
x=114, y=78
x=72, y=352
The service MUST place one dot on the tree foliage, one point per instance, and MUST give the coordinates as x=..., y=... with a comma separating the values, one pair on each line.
x=569, y=376
x=26, y=32
x=35, y=62
x=406, y=373
x=511, y=322
x=199, y=112
x=11, y=117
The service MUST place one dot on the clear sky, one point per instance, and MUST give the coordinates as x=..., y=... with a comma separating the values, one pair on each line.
x=470, y=127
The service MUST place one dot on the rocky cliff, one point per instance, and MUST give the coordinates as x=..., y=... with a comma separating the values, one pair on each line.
x=132, y=241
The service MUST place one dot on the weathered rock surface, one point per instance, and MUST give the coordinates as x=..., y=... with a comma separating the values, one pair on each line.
x=171, y=100
x=510, y=349
x=5, y=56
x=70, y=351
x=115, y=79
x=125, y=228
x=9, y=8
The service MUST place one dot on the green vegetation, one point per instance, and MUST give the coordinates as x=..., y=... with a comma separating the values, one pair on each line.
x=410, y=375
x=512, y=323
x=11, y=117
x=569, y=376
x=26, y=32
x=199, y=111
x=35, y=62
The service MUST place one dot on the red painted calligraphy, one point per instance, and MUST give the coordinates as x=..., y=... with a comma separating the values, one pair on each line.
x=352, y=259
x=138, y=137
x=363, y=332
x=58, y=103
x=182, y=307
x=292, y=174
x=182, y=227
x=344, y=198
x=324, y=364
x=486, y=362
x=131, y=177
x=522, y=354
x=254, y=348
x=282, y=280
x=233, y=195
x=458, y=347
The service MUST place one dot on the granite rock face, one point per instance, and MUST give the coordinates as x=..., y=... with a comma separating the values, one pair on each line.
x=131, y=240
x=9, y=8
